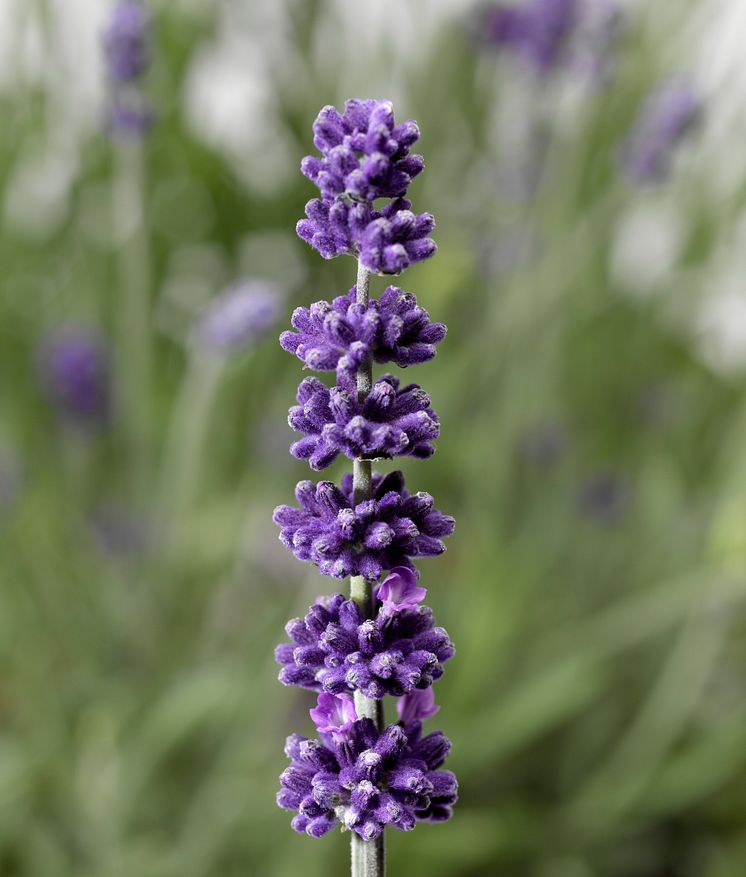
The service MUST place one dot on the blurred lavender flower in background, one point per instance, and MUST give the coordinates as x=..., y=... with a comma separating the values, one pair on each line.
x=74, y=373
x=239, y=317
x=539, y=31
x=603, y=498
x=127, y=43
x=668, y=115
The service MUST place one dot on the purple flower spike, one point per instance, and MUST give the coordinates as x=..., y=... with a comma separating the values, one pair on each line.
x=416, y=706
x=336, y=649
x=364, y=153
x=238, y=318
x=399, y=591
x=368, y=538
x=389, y=422
x=538, y=32
x=334, y=714
x=74, y=374
x=127, y=41
x=668, y=116
x=369, y=781
x=341, y=335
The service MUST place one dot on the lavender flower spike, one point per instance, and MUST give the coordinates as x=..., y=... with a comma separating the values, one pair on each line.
x=238, y=318
x=381, y=641
x=669, y=114
x=127, y=41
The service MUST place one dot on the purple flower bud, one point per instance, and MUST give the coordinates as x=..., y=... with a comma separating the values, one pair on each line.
x=334, y=714
x=129, y=120
x=234, y=321
x=74, y=374
x=399, y=591
x=667, y=117
x=416, y=706
x=127, y=41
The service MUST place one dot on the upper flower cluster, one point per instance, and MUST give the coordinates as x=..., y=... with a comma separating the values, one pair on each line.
x=365, y=156
x=365, y=779
x=342, y=334
x=364, y=153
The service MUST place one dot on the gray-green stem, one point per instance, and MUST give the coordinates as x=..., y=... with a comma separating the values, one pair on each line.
x=368, y=857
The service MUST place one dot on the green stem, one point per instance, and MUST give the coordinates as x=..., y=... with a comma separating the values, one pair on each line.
x=134, y=304
x=368, y=857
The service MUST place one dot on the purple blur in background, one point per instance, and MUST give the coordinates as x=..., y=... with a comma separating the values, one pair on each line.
x=234, y=321
x=74, y=374
x=670, y=113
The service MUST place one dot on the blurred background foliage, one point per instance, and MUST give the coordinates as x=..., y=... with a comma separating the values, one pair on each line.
x=593, y=400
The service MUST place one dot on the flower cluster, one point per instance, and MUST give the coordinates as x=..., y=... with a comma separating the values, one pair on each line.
x=364, y=779
x=364, y=153
x=335, y=649
x=389, y=422
x=344, y=538
x=127, y=43
x=386, y=241
x=365, y=156
x=382, y=641
x=341, y=335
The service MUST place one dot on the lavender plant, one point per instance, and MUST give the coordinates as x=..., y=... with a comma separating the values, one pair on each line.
x=359, y=773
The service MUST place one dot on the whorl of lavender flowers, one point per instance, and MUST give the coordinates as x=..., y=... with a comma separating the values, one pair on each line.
x=667, y=117
x=386, y=241
x=234, y=321
x=336, y=649
x=366, y=779
x=364, y=153
x=74, y=373
x=389, y=422
x=344, y=539
x=341, y=335
x=127, y=41
x=538, y=31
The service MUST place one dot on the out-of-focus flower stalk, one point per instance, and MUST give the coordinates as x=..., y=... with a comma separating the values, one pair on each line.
x=133, y=291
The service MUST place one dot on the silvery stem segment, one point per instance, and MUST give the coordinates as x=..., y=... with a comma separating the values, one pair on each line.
x=368, y=857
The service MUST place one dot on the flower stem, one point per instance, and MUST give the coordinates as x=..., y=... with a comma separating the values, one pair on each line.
x=368, y=857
